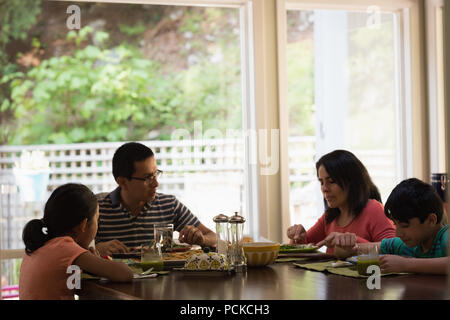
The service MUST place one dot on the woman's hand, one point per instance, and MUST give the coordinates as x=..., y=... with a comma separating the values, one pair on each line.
x=296, y=233
x=346, y=241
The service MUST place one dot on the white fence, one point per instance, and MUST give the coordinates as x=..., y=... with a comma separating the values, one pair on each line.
x=204, y=174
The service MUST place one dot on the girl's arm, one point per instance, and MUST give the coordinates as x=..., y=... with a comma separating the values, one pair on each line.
x=113, y=270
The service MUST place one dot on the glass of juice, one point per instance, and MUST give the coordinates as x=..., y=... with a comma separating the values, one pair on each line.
x=367, y=256
x=151, y=257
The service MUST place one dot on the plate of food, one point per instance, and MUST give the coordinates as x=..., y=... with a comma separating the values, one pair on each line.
x=298, y=248
x=182, y=255
x=209, y=264
x=181, y=247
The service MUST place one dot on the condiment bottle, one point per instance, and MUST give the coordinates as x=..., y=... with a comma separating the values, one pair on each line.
x=237, y=257
x=222, y=234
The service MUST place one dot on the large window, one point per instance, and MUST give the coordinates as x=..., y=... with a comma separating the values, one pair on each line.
x=327, y=74
x=343, y=93
x=351, y=77
x=89, y=76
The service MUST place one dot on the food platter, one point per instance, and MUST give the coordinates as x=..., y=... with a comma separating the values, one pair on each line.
x=181, y=248
x=180, y=253
x=183, y=255
x=302, y=251
x=297, y=248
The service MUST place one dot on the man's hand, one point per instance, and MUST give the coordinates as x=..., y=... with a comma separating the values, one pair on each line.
x=109, y=247
x=346, y=241
x=94, y=251
x=296, y=233
x=192, y=235
x=391, y=263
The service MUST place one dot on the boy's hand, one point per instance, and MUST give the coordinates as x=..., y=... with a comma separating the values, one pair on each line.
x=391, y=263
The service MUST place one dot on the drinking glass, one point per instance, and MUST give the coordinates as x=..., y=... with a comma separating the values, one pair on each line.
x=367, y=256
x=151, y=257
x=164, y=237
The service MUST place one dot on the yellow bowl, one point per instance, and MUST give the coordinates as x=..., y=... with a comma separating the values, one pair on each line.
x=260, y=254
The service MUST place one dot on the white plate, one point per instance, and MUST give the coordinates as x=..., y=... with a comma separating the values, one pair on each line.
x=354, y=259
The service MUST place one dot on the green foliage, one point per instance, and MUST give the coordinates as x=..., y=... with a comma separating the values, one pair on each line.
x=115, y=94
x=135, y=30
x=192, y=21
x=16, y=18
x=16, y=21
x=300, y=59
x=372, y=87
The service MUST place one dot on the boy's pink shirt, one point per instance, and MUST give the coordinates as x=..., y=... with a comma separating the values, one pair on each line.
x=371, y=225
x=43, y=275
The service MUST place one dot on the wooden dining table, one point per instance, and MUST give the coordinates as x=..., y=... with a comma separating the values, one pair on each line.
x=278, y=281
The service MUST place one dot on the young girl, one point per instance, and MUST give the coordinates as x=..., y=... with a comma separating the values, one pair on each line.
x=61, y=239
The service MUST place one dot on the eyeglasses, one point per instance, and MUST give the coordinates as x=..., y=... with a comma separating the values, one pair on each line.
x=151, y=177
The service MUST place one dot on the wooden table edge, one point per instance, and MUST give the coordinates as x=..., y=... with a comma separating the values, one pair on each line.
x=110, y=294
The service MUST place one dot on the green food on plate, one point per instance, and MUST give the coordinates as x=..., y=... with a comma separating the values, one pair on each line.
x=297, y=248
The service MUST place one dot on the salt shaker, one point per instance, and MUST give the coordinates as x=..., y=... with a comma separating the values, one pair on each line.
x=237, y=257
x=222, y=234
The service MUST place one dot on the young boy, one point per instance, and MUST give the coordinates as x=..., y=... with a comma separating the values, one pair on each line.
x=421, y=243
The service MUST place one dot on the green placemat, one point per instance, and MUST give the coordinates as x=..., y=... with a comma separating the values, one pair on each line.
x=343, y=271
x=280, y=260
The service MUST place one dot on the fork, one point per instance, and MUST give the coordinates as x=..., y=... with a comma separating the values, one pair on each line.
x=146, y=272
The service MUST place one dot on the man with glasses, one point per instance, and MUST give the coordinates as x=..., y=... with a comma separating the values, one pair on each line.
x=129, y=213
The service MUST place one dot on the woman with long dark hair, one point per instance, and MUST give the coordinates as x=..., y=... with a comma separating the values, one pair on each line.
x=353, y=209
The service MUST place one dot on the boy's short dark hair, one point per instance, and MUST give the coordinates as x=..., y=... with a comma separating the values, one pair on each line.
x=413, y=198
x=126, y=155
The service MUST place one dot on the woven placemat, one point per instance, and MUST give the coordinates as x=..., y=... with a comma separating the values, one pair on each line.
x=281, y=260
x=349, y=271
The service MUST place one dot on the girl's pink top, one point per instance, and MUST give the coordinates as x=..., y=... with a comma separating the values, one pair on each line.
x=371, y=225
x=44, y=274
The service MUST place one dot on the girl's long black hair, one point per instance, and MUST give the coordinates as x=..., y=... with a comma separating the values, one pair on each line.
x=350, y=174
x=67, y=207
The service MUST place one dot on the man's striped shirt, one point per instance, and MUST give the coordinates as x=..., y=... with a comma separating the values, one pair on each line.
x=116, y=222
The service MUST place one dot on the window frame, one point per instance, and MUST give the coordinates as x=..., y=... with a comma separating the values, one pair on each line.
x=446, y=46
x=246, y=11
x=413, y=135
x=438, y=152
x=248, y=93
